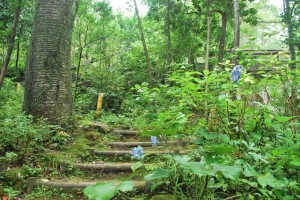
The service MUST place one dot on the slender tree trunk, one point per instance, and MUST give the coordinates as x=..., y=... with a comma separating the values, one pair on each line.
x=169, y=56
x=207, y=57
x=288, y=21
x=81, y=48
x=11, y=43
x=18, y=54
x=77, y=73
x=48, y=81
x=222, y=41
x=144, y=45
x=208, y=36
x=169, y=50
x=236, y=28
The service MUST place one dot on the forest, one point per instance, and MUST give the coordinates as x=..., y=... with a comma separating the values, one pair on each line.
x=157, y=100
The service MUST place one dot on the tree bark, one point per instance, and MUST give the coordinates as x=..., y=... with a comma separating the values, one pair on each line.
x=81, y=48
x=11, y=43
x=208, y=36
x=48, y=81
x=236, y=27
x=288, y=21
x=18, y=54
x=169, y=56
x=169, y=50
x=222, y=41
x=77, y=74
x=144, y=45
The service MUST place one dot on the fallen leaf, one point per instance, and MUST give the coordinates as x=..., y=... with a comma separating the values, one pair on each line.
x=4, y=197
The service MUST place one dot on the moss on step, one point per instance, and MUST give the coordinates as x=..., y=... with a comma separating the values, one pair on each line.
x=163, y=197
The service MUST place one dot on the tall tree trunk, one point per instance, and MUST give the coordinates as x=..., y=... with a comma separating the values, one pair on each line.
x=222, y=41
x=169, y=54
x=81, y=48
x=169, y=49
x=18, y=54
x=236, y=27
x=11, y=43
x=288, y=21
x=48, y=81
x=144, y=45
x=77, y=75
x=208, y=36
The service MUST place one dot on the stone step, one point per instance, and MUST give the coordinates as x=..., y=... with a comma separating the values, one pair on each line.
x=134, y=144
x=123, y=153
x=99, y=167
x=70, y=184
x=125, y=132
x=100, y=126
x=107, y=128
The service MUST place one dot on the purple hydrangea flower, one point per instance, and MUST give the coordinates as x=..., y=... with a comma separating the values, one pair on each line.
x=137, y=152
x=154, y=141
x=236, y=73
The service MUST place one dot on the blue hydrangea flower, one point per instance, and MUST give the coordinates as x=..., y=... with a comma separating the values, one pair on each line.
x=154, y=141
x=137, y=152
x=236, y=73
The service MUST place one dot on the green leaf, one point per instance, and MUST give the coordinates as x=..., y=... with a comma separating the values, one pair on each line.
x=211, y=79
x=176, y=126
x=168, y=131
x=181, y=118
x=258, y=157
x=126, y=186
x=249, y=171
x=159, y=174
x=106, y=191
x=220, y=150
x=269, y=179
x=296, y=162
x=101, y=191
x=231, y=172
x=282, y=118
x=180, y=159
x=150, y=133
x=268, y=119
x=251, y=183
x=136, y=166
x=196, y=168
x=206, y=72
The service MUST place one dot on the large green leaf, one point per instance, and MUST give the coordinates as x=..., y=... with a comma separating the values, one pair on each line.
x=231, y=172
x=101, y=191
x=249, y=171
x=106, y=191
x=136, y=165
x=159, y=174
x=269, y=179
x=203, y=169
x=180, y=159
x=282, y=118
x=296, y=162
x=196, y=168
x=126, y=186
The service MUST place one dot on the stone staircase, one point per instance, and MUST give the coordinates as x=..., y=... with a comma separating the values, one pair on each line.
x=110, y=165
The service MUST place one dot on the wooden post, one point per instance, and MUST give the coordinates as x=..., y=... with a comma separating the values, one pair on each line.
x=99, y=104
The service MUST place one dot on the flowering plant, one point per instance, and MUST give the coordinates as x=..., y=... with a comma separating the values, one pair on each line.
x=154, y=141
x=137, y=153
x=236, y=73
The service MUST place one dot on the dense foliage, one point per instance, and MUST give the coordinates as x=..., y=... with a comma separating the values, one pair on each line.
x=243, y=135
